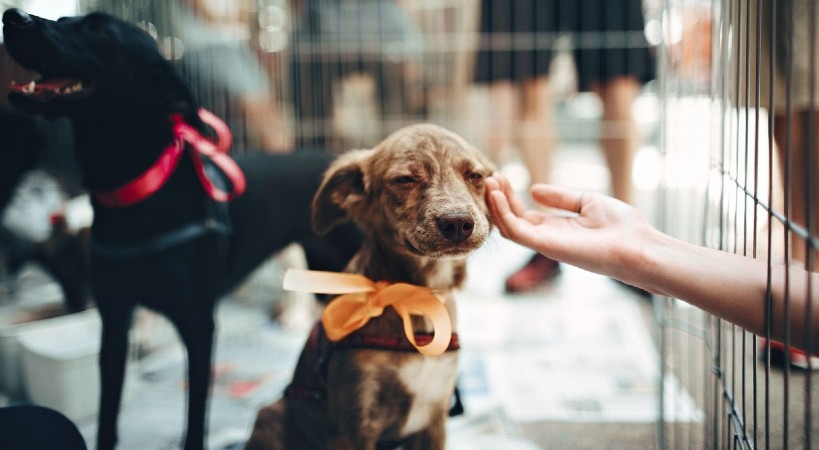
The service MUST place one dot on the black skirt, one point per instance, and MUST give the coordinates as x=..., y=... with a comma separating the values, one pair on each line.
x=518, y=37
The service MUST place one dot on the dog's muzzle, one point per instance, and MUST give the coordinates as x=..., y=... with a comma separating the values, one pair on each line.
x=17, y=18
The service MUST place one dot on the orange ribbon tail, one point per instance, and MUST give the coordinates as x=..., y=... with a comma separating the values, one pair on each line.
x=362, y=299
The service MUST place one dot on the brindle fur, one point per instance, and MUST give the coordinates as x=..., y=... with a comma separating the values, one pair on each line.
x=419, y=199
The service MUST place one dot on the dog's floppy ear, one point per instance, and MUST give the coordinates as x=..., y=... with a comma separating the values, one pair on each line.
x=341, y=192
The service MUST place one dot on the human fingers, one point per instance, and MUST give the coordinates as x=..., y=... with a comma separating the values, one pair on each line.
x=498, y=206
x=510, y=203
x=517, y=205
x=491, y=182
x=490, y=185
x=510, y=225
x=502, y=214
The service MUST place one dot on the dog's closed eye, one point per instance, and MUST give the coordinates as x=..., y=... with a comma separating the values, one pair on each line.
x=405, y=180
x=475, y=177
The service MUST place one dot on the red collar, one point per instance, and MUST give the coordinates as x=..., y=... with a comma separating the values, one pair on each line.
x=150, y=181
x=397, y=343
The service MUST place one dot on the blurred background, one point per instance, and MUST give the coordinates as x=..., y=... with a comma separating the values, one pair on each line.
x=694, y=111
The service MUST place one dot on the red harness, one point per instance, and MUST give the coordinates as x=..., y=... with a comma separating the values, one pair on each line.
x=150, y=181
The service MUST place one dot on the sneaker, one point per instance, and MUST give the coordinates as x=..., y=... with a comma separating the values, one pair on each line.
x=537, y=271
x=797, y=358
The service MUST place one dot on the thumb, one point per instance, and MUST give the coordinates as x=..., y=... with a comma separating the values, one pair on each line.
x=557, y=197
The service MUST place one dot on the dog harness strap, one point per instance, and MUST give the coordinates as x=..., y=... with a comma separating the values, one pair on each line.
x=222, y=131
x=217, y=152
x=146, y=184
x=159, y=243
x=157, y=175
x=364, y=299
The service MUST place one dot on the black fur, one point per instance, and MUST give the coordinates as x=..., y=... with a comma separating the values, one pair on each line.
x=121, y=124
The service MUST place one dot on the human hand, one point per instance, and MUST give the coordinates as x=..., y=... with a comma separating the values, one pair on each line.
x=588, y=230
x=604, y=235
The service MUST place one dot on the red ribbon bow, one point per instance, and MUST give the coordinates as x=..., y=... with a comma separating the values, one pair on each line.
x=150, y=181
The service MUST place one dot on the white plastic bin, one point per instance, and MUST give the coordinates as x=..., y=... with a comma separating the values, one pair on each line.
x=60, y=364
x=16, y=322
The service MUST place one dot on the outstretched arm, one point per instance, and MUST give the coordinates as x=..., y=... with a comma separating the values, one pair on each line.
x=609, y=237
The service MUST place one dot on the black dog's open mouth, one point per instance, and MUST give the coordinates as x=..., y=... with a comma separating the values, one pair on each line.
x=47, y=89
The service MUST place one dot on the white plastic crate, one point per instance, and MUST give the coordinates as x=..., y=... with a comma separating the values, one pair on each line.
x=59, y=361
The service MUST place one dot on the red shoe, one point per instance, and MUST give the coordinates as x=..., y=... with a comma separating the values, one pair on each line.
x=538, y=270
x=797, y=358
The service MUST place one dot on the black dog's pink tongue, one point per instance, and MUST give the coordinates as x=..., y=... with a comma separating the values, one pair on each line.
x=58, y=86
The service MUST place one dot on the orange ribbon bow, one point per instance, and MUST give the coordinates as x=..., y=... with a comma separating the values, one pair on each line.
x=364, y=299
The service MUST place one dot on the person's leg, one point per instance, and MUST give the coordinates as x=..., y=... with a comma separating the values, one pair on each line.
x=792, y=152
x=537, y=139
x=536, y=134
x=501, y=126
x=795, y=147
x=619, y=137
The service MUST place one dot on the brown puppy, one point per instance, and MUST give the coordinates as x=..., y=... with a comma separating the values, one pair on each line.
x=419, y=199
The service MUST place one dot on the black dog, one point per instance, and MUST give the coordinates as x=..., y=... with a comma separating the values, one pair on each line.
x=179, y=249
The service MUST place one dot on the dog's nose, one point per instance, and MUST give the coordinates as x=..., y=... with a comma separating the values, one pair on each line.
x=16, y=17
x=456, y=227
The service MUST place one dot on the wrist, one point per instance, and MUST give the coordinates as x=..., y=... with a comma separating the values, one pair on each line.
x=646, y=259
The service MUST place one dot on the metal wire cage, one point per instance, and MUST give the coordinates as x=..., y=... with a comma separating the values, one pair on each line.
x=312, y=75
x=742, y=73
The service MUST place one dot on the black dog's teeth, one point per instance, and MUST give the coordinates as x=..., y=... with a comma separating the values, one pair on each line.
x=45, y=86
x=29, y=88
x=72, y=88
